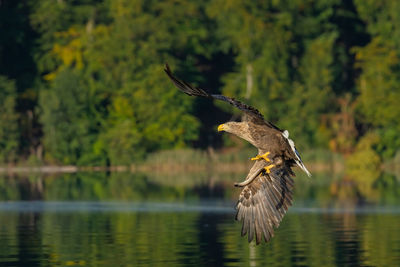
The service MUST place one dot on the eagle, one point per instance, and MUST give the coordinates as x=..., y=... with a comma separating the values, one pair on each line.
x=268, y=188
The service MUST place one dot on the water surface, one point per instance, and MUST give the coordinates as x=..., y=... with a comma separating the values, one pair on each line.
x=139, y=220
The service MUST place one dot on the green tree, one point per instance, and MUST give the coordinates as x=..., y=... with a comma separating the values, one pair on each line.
x=9, y=135
x=146, y=112
x=313, y=92
x=68, y=125
x=120, y=67
x=379, y=62
x=17, y=42
x=285, y=60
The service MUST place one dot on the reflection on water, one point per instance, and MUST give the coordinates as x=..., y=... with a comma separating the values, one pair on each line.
x=138, y=220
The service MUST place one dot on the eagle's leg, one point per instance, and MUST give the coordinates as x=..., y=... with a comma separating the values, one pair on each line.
x=265, y=157
x=251, y=178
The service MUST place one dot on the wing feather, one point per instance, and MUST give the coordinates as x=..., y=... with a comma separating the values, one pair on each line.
x=191, y=90
x=265, y=228
x=251, y=223
x=258, y=224
x=263, y=203
x=272, y=203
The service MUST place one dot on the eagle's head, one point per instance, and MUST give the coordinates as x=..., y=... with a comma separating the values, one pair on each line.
x=231, y=127
x=240, y=129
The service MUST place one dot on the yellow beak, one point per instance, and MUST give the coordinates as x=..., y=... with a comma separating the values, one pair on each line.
x=221, y=127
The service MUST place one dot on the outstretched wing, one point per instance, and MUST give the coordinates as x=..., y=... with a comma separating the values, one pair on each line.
x=189, y=89
x=263, y=203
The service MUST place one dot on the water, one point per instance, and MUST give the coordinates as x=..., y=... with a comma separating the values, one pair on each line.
x=139, y=220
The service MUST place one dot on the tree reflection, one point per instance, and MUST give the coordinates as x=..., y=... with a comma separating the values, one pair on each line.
x=330, y=237
x=323, y=189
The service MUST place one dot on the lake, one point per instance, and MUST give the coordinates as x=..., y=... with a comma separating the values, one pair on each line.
x=125, y=219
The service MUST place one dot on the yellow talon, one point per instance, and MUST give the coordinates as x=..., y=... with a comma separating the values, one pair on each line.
x=269, y=167
x=265, y=156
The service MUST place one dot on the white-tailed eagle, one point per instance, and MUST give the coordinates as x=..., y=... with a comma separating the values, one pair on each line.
x=268, y=188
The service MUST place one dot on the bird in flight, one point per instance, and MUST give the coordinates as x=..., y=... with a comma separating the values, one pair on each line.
x=268, y=188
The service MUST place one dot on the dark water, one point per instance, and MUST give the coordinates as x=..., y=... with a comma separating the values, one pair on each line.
x=139, y=220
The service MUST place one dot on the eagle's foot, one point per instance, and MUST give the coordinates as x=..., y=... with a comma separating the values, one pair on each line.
x=269, y=167
x=265, y=157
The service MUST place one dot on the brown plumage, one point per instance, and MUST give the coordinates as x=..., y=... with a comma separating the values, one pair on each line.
x=267, y=190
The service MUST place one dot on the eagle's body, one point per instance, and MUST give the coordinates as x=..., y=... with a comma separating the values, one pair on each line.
x=264, y=138
x=267, y=190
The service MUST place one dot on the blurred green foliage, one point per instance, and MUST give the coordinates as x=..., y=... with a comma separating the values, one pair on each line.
x=9, y=136
x=82, y=81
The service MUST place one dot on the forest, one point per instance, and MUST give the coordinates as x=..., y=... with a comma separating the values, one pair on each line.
x=82, y=81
